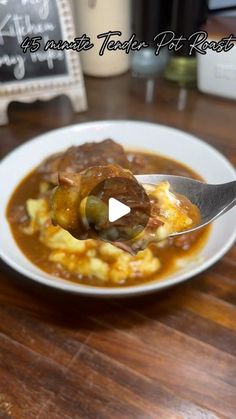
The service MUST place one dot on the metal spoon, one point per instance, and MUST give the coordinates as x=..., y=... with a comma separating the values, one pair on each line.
x=212, y=200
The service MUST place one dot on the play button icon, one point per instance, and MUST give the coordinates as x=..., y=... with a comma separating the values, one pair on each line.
x=116, y=210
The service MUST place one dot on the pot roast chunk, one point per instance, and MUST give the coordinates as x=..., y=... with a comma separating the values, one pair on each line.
x=77, y=158
x=155, y=215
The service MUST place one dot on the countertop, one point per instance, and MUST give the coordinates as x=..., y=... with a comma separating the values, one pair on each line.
x=167, y=355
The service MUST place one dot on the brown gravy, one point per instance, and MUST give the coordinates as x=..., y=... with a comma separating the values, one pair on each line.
x=187, y=245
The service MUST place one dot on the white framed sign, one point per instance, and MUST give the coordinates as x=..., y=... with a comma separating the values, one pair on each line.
x=27, y=70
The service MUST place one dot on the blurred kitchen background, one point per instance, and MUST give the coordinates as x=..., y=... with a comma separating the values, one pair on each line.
x=213, y=73
x=168, y=88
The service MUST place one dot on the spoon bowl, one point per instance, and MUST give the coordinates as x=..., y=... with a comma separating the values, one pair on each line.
x=212, y=200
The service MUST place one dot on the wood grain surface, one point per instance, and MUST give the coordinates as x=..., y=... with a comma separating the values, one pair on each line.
x=168, y=355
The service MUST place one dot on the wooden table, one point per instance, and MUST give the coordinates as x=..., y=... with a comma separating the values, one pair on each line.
x=169, y=355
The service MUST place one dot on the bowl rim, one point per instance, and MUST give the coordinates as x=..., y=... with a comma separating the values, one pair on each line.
x=126, y=291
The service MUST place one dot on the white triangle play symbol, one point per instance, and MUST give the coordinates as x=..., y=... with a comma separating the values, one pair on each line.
x=116, y=209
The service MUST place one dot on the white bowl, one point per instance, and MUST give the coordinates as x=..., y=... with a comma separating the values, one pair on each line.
x=202, y=158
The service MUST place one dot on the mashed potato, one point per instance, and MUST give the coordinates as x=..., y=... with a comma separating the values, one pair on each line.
x=88, y=258
x=172, y=213
x=100, y=260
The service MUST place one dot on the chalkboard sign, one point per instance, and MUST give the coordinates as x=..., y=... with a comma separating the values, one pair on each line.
x=26, y=75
